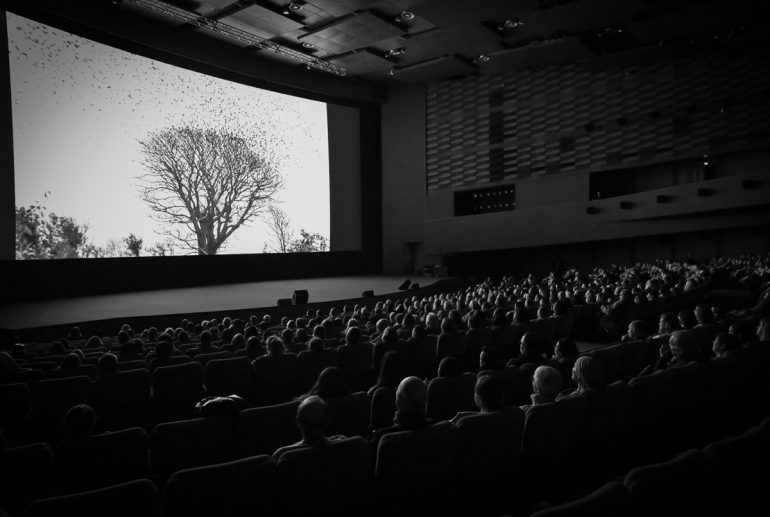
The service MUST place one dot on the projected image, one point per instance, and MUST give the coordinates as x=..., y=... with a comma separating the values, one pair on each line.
x=117, y=155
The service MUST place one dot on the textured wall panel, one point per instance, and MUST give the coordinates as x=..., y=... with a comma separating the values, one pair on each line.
x=557, y=119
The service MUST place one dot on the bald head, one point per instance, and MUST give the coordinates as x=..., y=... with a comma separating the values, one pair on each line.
x=313, y=417
x=411, y=395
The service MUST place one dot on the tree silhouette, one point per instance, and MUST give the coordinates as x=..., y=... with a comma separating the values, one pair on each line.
x=280, y=226
x=309, y=242
x=204, y=184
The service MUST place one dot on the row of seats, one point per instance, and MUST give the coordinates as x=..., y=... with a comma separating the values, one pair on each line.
x=603, y=431
x=727, y=477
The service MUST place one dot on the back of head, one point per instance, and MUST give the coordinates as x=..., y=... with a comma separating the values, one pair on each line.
x=332, y=383
x=70, y=361
x=588, y=372
x=411, y=395
x=316, y=345
x=489, y=393
x=313, y=418
x=353, y=335
x=275, y=345
x=490, y=358
x=547, y=381
x=450, y=366
x=567, y=348
x=108, y=364
x=79, y=422
x=253, y=343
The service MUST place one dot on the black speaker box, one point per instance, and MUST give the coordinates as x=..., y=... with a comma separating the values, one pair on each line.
x=405, y=285
x=367, y=294
x=283, y=302
x=415, y=285
x=591, y=210
x=663, y=198
x=299, y=297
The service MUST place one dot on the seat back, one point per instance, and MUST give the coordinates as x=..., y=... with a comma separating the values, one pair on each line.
x=227, y=376
x=611, y=358
x=489, y=444
x=134, y=498
x=332, y=478
x=176, y=389
x=210, y=356
x=15, y=408
x=262, y=430
x=447, y=396
x=26, y=474
x=132, y=365
x=52, y=398
x=104, y=459
x=635, y=355
x=610, y=499
x=540, y=430
x=350, y=414
x=241, y=487
x=383, y=408
x=123, y=399
x=190, y=443
x=276, y=379
x=680, y=486
x=415, y=462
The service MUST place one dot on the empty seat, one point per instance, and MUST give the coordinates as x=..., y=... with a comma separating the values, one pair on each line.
x=414, y=466
x=15, y=407
x=383, y=408
x=190, y=443
x=262, y=430
x=236, y=488
x=102, y=460
x=635, y=356
x=52, y=398
x=350, y=414
x=227, y=376
x=610, y=500
x=210, y=356
x=489, y=444
x=447, y=396
x=176, y=390
x=132, y=499
x=26, y=474
x=122, y=399
x=333, y=479
x=680, y=486
x=276, y=378
x=611, y=358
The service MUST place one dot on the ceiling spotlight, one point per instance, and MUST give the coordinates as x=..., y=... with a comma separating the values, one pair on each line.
x=405, y=16
x=307, y=44
x=396, y=52
x=510, y=24
x=392, y=71
x=295, y=6
x=483, y=58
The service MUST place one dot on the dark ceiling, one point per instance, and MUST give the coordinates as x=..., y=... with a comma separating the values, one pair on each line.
x=387, y=41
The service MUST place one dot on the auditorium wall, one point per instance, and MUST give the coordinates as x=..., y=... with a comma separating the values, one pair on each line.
x=546, y=131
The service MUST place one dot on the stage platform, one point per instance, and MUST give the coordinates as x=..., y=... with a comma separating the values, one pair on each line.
x=234, y=299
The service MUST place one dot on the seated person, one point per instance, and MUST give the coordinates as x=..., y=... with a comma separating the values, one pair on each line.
x=588, y=374
x=79, y=423
x=637, y=331
x=313, y=419
x=488, y=397
x=411, y=397
x=546, y=385
x=530, y=350
x=725, y=345
x=681, y=349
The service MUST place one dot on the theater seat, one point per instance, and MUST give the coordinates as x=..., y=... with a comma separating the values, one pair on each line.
x=447, y=396
x=15, y=407
x=26, y=474
x=137, y=498
x=190, y=443
x=176, y=390
x=350, y=414
x=227, y=376
x=104, y=459
x=232, y=489
x=383, y=408
x=489, y=445
x=52, y=398
x=262, y=430
x=416, y=464
x=680, y=486
x=123, y=399
x=334, y=479
x=610, y=500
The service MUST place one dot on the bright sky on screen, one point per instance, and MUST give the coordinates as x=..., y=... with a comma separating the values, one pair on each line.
x=80, y=108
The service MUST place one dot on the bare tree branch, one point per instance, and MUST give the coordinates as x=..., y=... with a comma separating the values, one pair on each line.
x=204, y=184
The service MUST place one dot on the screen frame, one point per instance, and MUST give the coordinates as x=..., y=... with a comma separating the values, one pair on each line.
x=38, y=279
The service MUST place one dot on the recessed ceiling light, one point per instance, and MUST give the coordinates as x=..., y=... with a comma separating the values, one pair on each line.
x=510, y=23
x=406, y=15
x=306, y=44
x=294, y=6
x=395, y=52
x=392, y=71
x=483, y=58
